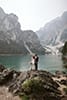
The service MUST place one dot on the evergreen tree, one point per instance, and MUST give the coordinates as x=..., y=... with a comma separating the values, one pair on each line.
x=64, y=50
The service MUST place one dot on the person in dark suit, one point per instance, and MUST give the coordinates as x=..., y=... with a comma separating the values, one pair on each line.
x=36, y=61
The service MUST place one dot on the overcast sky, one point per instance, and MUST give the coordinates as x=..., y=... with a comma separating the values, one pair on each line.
x=34, y=14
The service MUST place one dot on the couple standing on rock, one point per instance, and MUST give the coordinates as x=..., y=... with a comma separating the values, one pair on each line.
x=34, y=62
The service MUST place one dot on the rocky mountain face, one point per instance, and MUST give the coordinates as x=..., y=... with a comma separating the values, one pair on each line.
x=32, y=41
x=54, y=31
x=12, y=37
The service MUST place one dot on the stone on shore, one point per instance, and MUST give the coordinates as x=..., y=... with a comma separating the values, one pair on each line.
x=34, y=85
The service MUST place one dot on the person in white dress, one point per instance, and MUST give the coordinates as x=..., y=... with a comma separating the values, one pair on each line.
x=32, y=63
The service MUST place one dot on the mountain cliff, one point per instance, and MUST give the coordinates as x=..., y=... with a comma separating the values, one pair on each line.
x=12, y=37
x=55, y=31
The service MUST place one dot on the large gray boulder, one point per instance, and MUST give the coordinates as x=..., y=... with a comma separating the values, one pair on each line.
x=34, y=85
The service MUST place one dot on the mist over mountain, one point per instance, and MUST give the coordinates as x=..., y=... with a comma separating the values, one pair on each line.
x=12, y=38
x=55, y=31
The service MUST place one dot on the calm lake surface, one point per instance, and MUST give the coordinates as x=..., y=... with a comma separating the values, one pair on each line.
x=50, y=63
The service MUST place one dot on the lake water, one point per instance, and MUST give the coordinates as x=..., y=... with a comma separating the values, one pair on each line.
x=50, y=63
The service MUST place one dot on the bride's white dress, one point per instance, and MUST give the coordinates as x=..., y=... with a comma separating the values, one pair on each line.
x=33, y=64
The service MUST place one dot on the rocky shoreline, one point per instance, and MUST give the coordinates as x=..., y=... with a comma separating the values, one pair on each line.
x=32, y=85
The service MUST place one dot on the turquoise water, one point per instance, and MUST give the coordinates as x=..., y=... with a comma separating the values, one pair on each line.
x=46, y=62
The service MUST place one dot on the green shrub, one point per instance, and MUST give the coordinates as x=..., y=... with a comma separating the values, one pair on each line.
x=24, y=97
x=65, y=90
x=32, y=86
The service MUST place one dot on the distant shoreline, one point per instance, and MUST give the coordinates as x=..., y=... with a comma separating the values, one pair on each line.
x=12, y=54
